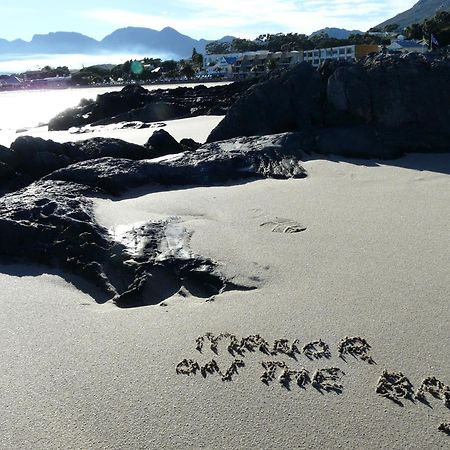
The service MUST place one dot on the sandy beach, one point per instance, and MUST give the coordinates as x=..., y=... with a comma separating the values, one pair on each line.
x=371, y=262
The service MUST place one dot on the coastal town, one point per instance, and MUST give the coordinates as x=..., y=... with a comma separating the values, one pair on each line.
x=229, y=65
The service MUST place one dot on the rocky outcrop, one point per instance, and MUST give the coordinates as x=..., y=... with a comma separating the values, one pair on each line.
x=379, y=108
x=31, y=158
x=51, y=222
x=286, y=102
x=161, y=143
x=135, y=103
x=277, y=156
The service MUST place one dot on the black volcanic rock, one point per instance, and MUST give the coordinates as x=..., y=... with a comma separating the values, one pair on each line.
x=381, y=107
x=162, y=143
x=51, y=222
x=31, y=158
x=277, y=156
x=134, y=103
x=189, y=144
x=156, y=111
x=286, y=102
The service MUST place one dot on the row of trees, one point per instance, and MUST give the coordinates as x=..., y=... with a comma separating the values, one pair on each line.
x=291, y=41
x=146, y=70
x=438, y=26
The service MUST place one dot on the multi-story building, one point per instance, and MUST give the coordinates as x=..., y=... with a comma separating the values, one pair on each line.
x=260, y=62
x=344, y=53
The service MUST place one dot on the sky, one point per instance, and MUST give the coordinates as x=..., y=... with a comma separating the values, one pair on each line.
x=209, y=19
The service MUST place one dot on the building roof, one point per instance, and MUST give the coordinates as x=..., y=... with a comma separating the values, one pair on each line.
x=408, y=44
x=9, y=79
x=230, y=59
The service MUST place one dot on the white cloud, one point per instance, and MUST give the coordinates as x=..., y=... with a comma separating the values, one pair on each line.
x=245, y=18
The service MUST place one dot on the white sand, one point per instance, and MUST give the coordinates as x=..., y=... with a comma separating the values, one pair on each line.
x=373, y=262
x=197, y=128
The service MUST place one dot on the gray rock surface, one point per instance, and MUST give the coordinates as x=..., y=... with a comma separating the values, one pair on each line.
x=51, y=222
x=277, y=156
x=381, y=107
x=31, y=158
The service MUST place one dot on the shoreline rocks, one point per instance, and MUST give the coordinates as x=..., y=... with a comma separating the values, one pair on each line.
x=135, y=103
x=381, y=107
x=52, y=222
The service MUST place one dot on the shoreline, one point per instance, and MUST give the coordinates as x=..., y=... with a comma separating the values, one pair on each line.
x=118, y=85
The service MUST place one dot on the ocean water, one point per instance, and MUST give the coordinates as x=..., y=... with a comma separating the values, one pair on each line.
x=27, y=109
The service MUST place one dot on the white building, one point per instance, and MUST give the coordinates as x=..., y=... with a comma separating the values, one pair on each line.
x=222, y=67
x=344, y=53
x=408, y=46
x=211, y=60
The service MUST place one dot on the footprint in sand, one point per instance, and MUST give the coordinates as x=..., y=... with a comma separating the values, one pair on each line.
x=279, y=225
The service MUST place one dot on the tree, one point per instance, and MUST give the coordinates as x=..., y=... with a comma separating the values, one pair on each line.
x=217, y=47
x=271, y=65
x=197, y=58
x=187, y=69
x=414, y=31
x=439, y=26
x=392, y=28
x=169, y=66
x=275, y=42
x=245, y=45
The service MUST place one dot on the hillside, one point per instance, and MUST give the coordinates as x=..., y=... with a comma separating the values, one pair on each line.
x=337, y=33
x=422, y=10
x=168, y=41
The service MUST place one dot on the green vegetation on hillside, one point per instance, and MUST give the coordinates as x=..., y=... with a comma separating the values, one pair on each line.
x=281, y=42
x=438, y=26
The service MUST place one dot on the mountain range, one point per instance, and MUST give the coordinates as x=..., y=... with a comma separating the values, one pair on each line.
x=168, y=41
x=422, y=10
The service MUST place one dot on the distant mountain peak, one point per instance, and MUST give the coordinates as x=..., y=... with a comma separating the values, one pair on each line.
x=423, y=9
x=337, y=33
x=168, y=41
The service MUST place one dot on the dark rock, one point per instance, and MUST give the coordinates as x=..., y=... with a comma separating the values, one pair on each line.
x=106, y=105
x=189, y=144
x=277, y=156
x=5, y=155
x=162, y=143
x=136, y=103
x=31, y=158
x=52, y=223
x=155, y=112
x=288, y=101
x=37, y=157
x=383, y=106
